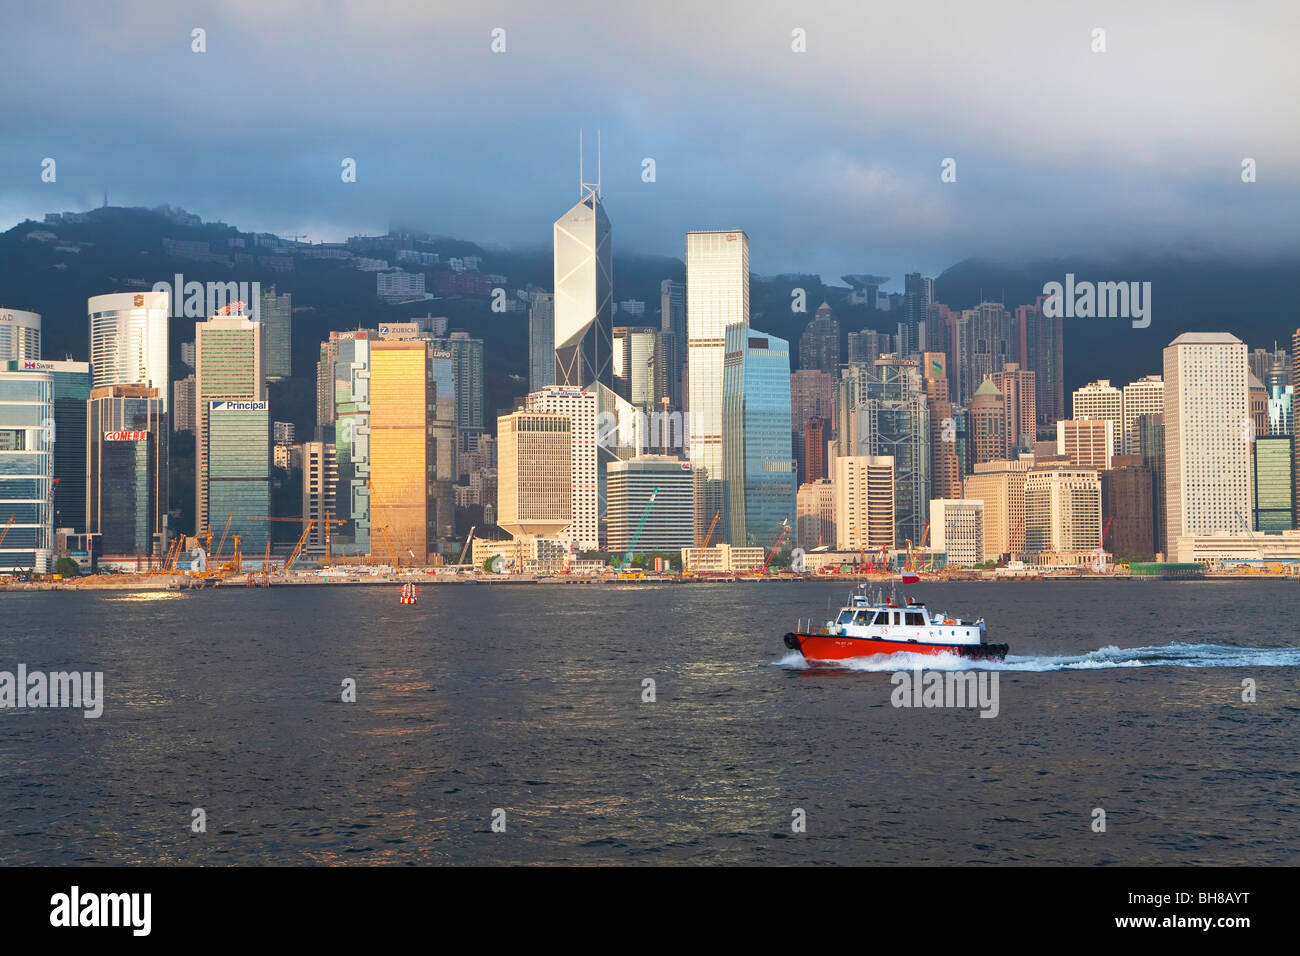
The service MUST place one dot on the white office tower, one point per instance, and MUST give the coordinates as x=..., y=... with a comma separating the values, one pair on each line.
x=20, y=335
x=128, y=340
x=1146, y=396
x=717, y=295
x=1207, y=436
x=1100, y=399
x=581, y=407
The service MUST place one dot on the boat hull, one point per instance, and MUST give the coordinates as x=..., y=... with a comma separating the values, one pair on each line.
x=833, y=647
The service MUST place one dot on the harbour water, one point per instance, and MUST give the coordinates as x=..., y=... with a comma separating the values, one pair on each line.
x=1120, y=696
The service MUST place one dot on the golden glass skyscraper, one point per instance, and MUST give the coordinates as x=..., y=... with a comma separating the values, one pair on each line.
x=401, y=457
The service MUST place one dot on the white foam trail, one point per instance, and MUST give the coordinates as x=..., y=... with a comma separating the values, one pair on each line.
x=1167, y=655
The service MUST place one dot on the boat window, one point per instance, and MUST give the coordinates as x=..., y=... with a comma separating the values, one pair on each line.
x=844, y=618
x=914, y=619
x=872, y=618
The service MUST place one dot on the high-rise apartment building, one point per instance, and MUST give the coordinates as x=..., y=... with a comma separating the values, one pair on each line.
x=1018, y=395
x=819, y=346
x=1041, y=351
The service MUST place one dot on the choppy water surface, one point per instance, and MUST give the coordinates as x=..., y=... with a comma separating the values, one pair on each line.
x=1119, y=695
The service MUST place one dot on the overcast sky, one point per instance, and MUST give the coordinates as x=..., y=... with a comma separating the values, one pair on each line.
x=830, y=159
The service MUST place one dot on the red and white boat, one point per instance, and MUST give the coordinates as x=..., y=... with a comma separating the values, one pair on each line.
x=865, y=627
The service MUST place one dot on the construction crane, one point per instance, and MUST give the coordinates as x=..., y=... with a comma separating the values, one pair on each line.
x=297, y=548
x=785, y=529
x=328, y=521
x=266, y=563
x=222, y=546
x=388, y=543
x=712, y=524
x=636, y=535
x=469, y=539
x=4, y=532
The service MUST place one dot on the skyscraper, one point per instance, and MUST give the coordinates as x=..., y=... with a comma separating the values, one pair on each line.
x=1271, y=491
x=1019, y=393
x=1100, y=399
x=581, y=408
x=757, y=463
x=1146, y=396
x=276, y=316
x=125, y=497
x=20, y=335
x=534, y=462
x=128, y=340
x=541, y=341
x=350, y=414
x=412, y=441
x=236, y=454
x=717, y=296
x=672, y=326
x=638, y=366
x=1041, y=351
x=982, y=347
x=819, y=346
x=584, y=286
x=228, y=351
x=1207, y=436
x=27, y=469
x=988, y=413
x=885, y=413
x=918, y=291
x=864, y=502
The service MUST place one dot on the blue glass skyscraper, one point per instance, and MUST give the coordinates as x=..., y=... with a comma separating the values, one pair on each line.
x=757, y=459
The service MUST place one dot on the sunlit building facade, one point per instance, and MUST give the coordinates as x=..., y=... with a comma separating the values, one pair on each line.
x=128, y=340
x=717, y=296
x=27, y=470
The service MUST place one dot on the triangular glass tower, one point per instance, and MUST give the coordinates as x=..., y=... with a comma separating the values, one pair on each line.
x=584, y=290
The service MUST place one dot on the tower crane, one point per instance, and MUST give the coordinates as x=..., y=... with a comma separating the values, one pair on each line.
x=636, y=535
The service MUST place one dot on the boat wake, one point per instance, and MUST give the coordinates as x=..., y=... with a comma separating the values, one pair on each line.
x=1167, y=655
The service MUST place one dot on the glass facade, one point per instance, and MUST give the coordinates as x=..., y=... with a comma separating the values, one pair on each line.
x=228, y=351
x=541, y=342
x=71, y=392
x=276, y=316
x=758, y=464
x=1272, y=483
x=126, y=450
x=351, y=417
x=584, y=283
x=128, y=340
x=26, y=470
x=402, y=465
x=717, y=296
x=239, y=474
x=20, y=335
